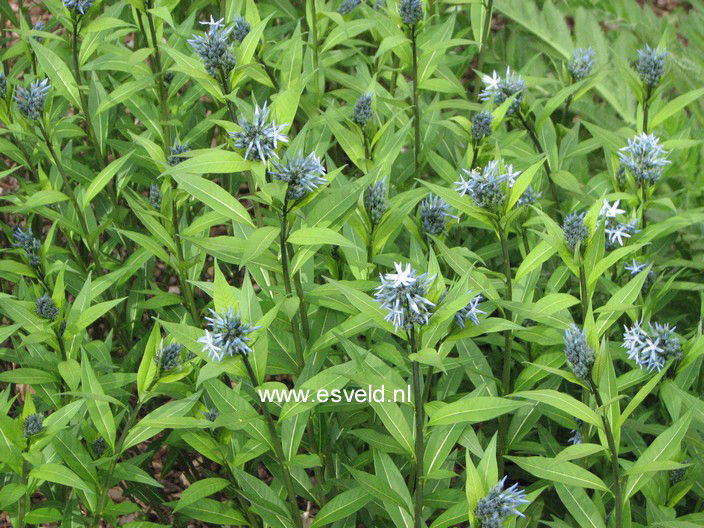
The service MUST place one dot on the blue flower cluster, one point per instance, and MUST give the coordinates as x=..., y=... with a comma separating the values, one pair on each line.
x=488, y=187
x=434, y=212
x=403, y=295
x=499, y=504
x=176, y=149
x=303, y=174
x=46, y=308
x=155, y=196
x=30, y=244
x=579, y=354
x=3, y=85
x=31, y=101
x=614, y=230
x=575, y=230
x=581, y=63
x=501, y=88
x=375, y=201
x=651, y=65
x=644, y=158
x=215, y=49
x=411, y=11
x=347, y=6
x=240, y=29
x=259, y=134
x=33, y=425
x=99, y=446
x=169, y=357
x=78, y=7
x=363, y=109
x=634, y=268
x=651, y=349
x=481, y=125
x=471, y=312
x=227, y=335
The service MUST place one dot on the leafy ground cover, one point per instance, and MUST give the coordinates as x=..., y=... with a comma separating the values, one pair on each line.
x=493, y=207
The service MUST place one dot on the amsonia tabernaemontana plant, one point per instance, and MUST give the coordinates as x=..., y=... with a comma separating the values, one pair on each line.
x=351, y=263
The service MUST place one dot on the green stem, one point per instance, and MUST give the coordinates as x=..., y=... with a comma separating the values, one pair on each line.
x=485, y=36
x=82, y=95
x=418, y=397
x=240, y=498
x=302, y=305
x=583, y=292
x=267, y=69
x=111, y=469
x=316, y=52
x=287, y=284
x=646, y=107
x=614, y=456
x=182, y=273
x=22, y=508
x=163, y=94
x=536, y=142
x=508, y=341
x=475, y=153
x=233, y=117
x=565, y=116
x=278, y=449
x=72, y=198
x=416, y=107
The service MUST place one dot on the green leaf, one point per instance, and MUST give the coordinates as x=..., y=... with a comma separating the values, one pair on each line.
x=99, y=410
x=125, y=91
x=102, y=179
x=60, y=75
x=560, y=471
x=311, y=236
x=473, y=409
x=675, y=106
x=199, y=490
x=580, y=506
x=663, y=448
x=341, y=507
x=563, y=402
x=214, y=196
x=60, y=475
x=147, y=367
x=377, y=488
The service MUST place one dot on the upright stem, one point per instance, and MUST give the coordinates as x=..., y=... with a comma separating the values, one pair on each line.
x=565, y=116
x=82, y=95
x=475, y=152
x=182, y=274
x=485, y=37
x=644, y=200
x=418, y=397
x=260, y=58
x=534, y=138
x=233, y=117
x=618, y=497
x=163, y=96
x=111, y=469
x=22, y=508
x=646, y=107
x=583, y=292
x=278, y=450
x=316, y=52
x=302, y=305
x=72, y=198
x=416, y=108
x=508, y=342
x=287, y=284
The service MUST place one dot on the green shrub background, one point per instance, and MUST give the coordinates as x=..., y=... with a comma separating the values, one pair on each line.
x=490, y=400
